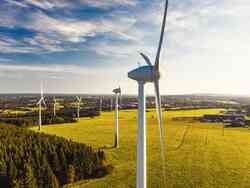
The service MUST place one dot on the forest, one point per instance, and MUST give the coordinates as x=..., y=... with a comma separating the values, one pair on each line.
x=30, y=160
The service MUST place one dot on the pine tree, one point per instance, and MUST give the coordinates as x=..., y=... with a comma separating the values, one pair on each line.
x=29, y=180
x=70, y=174
x=49, y=178
x=3, y=167
x=54, y=181
x=11, y=171
x=16, y=184
x=55, y=163
x=63, y=162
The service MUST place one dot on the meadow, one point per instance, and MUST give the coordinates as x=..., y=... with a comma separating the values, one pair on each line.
x=198, y=154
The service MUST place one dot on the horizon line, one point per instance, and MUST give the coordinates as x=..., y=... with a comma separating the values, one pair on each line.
x=127, y=94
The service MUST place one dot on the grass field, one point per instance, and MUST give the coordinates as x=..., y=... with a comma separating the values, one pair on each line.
x=198, y=155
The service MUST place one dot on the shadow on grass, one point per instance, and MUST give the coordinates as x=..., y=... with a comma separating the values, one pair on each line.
x=183, y=138
x=106, y=147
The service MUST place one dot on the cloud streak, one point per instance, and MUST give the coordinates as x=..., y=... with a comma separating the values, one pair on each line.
x=57, y=4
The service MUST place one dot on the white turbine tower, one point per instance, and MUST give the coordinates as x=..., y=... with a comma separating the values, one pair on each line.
x=100, y=103
x=117, y=92
x=40, y=108
x=142, y=75
x=79, y=101
x=111, y=104
x=54, y=106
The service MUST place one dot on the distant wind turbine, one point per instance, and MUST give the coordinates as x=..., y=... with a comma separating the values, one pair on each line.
x=120, y=102
x=100, y=104
x=111, y=104
x=40, y=107
x=79, y=101
x=142, y=75
x=117, y=92
x=54, y=106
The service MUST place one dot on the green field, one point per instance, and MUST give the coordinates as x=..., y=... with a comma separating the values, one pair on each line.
x=198, y=155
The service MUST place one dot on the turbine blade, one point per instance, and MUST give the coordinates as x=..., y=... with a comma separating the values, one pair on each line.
x=160, y=124
x=39, y=101
x=146, y=58
x=44, y=102
x=157, y=59
x=79, y=98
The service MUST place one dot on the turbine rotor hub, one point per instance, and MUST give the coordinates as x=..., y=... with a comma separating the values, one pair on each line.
x=116, y=91
x=145, y=74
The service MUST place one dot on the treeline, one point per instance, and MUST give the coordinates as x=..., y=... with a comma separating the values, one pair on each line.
x=31, y=121
x=30, y=160
x=189, y=108
x=67, y=115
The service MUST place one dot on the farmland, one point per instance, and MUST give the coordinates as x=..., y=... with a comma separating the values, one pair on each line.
x=198, y=155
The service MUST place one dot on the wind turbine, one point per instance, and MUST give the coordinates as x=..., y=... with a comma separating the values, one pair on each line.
x=143, y=75
x=100, y=104
x=120, y=103
x=117, y=92
x=40, y=108
x=54, y=106
x=111, y=104
x=79, y=101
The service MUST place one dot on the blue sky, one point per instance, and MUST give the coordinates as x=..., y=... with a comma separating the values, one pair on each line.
x=88, y=46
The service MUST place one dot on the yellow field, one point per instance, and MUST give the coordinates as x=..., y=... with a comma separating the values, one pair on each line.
x=198, y=155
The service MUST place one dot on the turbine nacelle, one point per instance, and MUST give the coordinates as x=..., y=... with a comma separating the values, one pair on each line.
x=79, y=99
x=117, y=90
x=144, y=74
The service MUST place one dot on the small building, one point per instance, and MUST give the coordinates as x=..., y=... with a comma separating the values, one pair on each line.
x=234, y=120
x=235, y=123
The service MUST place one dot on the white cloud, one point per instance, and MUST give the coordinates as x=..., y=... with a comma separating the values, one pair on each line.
x=40, y=68
x=16, y=3
x=43, y=4
x=45, y=43
x=75, y=31
x=51, y=4
x=10, y=45
x=109, y=3
x=52, y=33
x=68, y=30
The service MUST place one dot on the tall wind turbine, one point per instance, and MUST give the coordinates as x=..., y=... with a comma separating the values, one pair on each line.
x=117, y=92
x=40, y=108
x=143, y=75
x=79, y=101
